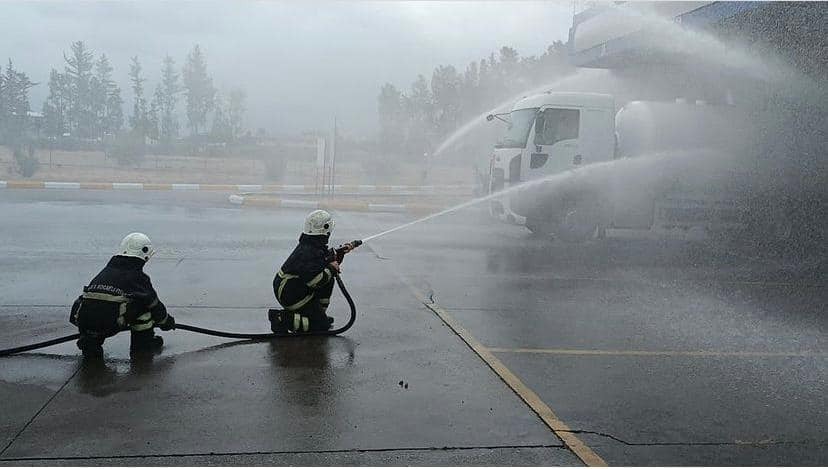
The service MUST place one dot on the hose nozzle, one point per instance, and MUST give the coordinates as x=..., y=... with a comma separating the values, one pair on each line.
x=339, y=253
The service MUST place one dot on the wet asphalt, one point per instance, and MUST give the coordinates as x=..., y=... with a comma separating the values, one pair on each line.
x=656, y=352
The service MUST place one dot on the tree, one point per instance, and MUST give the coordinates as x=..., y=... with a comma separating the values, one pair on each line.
x=153, y=124
x=14, y=103
x=109, y=117
x=57, y=105
x=79, y=72
x=445, y=89
x=419, y=107
x=108, y=102
x=391, y=121
x=427, y=114
x=469, y=91
x=138, y=120
x=198, y=86
x=509, y=64
x=235, y=112
x=169, y=89
x=221, y=130
x=3, y=105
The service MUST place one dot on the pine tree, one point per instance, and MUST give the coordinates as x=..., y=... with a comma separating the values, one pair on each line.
x=79, y=72
x=198, y=86
x=469, y=91
x=107, y=100
x=14, y=103
x=235, y=112
x=138, y=119
x=170, y=88
x=445, y=89
x=419, y=107
x=57, y=105
x=221, y=130
x=153, y=124
x=391, y=123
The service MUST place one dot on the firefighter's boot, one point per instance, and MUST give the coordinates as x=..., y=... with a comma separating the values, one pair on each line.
x=143, y=342
x=91, y=347
x=278, y=320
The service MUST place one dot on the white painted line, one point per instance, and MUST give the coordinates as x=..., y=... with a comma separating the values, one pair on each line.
x=300, y=203
x=185, y=187
x=236, y=199
x=2, y=184
x=128, y=186
x=401, y=188
x=366, y=188
x=61, y=185
x=250, y=187
x=293, y=187
x=386, y=208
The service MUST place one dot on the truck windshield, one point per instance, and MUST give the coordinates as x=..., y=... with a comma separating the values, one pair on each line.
x=520, y=122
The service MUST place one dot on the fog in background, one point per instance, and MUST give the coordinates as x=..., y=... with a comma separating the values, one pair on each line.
x=299, y=63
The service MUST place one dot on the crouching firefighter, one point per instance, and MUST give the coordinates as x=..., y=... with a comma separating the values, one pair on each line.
x=121, y=297
x=304, y=284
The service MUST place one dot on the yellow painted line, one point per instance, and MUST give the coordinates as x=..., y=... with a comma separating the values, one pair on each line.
x=157, y=187
x=25, y=184
x=218, y=187
x=558, y=427
x=655, y=353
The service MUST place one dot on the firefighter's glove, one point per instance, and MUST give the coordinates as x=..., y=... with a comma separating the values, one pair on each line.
x=334, y=266
x=339, y=253
x=168, y=324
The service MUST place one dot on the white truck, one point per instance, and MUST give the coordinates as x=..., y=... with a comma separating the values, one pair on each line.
x=568, y=133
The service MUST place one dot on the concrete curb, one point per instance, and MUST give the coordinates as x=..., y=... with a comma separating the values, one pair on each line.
x=246, y=188
x=342, y=205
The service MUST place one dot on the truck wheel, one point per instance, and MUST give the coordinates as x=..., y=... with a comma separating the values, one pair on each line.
x=577, y=226
x=540, y=226
x=580, y=220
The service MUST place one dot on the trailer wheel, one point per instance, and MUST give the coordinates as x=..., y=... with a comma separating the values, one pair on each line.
x=540, y=226
x=578, y=223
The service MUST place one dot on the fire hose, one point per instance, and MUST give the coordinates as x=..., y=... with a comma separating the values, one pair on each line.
x=229, y=335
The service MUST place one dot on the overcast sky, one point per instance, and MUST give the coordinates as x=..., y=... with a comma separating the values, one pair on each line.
x=299, y=62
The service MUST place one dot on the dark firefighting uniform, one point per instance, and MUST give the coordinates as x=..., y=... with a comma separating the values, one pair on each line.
x=304, y=284
x=120, y=297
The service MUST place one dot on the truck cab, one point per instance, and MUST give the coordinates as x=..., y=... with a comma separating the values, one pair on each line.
x=548, y=133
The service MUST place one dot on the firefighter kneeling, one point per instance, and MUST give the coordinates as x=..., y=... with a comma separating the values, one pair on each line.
x=121, y=297
x=304, y=284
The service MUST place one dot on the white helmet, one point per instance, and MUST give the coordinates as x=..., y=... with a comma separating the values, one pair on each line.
x=318, y=222
x=136, y=245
